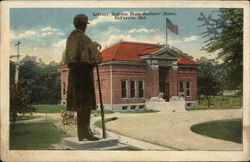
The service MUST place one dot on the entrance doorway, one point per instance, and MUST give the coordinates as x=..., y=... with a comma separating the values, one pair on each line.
x=163, y=84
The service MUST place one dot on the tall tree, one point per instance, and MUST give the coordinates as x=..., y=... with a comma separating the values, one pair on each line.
x=42, y=80
x=209, y=80
x=224, y=35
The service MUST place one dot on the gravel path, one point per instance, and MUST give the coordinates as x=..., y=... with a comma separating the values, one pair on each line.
x=173, y=129
x=43, y=117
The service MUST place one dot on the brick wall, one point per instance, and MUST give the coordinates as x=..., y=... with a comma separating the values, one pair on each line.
x=150, y=76
x=125, y=72
x=104, y=72
x=152, y=80
x=188, y=74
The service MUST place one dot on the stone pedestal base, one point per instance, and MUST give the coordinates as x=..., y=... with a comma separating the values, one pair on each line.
x=72, y=143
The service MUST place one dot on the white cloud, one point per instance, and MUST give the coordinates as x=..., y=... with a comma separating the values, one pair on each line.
x=114, y=35
x=43, y=32
x=102, y=19
x=143, y=30
x=191, y=38
x=26, y=34
x=114, y=38
x=60, y=44
x=174, y=41
x=60, y=33
x=46, y=29
x=46, y=34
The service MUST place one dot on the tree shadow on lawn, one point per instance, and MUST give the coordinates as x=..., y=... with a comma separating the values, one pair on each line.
x=230, y=130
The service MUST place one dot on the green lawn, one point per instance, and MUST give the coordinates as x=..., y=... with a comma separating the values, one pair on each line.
x=35, y=136
x=49, y=108
x=224, y=102
x=230, y=130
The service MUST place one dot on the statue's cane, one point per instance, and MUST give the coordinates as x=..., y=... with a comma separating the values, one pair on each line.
x=101, y=103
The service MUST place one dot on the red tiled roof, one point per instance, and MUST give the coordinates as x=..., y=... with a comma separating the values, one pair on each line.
x=185, y=61
x=150, y=50
x=127, y=51
x=130, y=51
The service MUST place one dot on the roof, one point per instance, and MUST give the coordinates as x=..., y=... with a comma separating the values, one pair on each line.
x=128, y=51
x=131, y=52
x=185, y=61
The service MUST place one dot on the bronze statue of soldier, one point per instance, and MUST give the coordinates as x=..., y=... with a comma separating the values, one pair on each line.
x=81, y=55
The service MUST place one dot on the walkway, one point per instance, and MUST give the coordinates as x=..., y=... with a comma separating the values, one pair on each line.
x=161, y=131
x=42, y=117
x=173, y=129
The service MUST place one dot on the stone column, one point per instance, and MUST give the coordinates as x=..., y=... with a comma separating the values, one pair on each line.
x=155, y=80
x=174, y=81
x=152, y=84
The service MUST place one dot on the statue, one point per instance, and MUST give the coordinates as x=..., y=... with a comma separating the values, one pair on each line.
x=81, y=55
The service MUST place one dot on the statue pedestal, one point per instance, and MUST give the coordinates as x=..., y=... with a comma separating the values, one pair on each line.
x=72, y=143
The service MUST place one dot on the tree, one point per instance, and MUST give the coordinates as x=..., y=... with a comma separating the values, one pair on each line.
x=42, y=80
x=224, y=35
x=12, y=72
x=209, y=80
x=20, y=101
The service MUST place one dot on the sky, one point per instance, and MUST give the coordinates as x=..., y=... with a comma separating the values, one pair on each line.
x=43, y=31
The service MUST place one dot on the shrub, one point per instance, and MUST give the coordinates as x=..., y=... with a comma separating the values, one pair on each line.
x=20, y=101
x=68, y=117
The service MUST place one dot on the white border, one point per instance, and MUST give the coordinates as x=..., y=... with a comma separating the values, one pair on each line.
x=39, y=155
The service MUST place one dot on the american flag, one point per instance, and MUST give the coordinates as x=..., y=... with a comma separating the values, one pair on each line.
x=172, y=27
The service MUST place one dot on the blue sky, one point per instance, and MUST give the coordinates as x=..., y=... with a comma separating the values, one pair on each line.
x=43, y=31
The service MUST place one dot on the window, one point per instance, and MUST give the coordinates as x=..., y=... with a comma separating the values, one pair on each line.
x=124, y=89
x=133, y=107
x=182, y=87
x=64, y=88
x=141, y=88
x=185, y=88
x=188, y=88
x=124, y=107
x=132, y=89
x=141, y=107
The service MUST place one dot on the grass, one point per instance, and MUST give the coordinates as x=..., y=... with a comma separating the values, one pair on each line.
x=222, y=102
x=35, y=136
x=98, y=112
x=49, y=108
x=99, y=122
x=230, y=130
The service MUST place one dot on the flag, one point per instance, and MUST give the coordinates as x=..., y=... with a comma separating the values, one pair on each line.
x=172, y=27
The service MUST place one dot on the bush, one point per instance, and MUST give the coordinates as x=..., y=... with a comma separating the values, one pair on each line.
x=20, y=101
x=68, y=118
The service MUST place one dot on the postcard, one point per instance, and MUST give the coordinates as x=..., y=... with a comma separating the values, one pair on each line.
x=124, y=81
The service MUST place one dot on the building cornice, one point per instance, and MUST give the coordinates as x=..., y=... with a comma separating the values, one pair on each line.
x=123, y=63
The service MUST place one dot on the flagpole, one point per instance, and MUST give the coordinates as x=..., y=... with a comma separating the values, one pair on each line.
x=166, y=36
